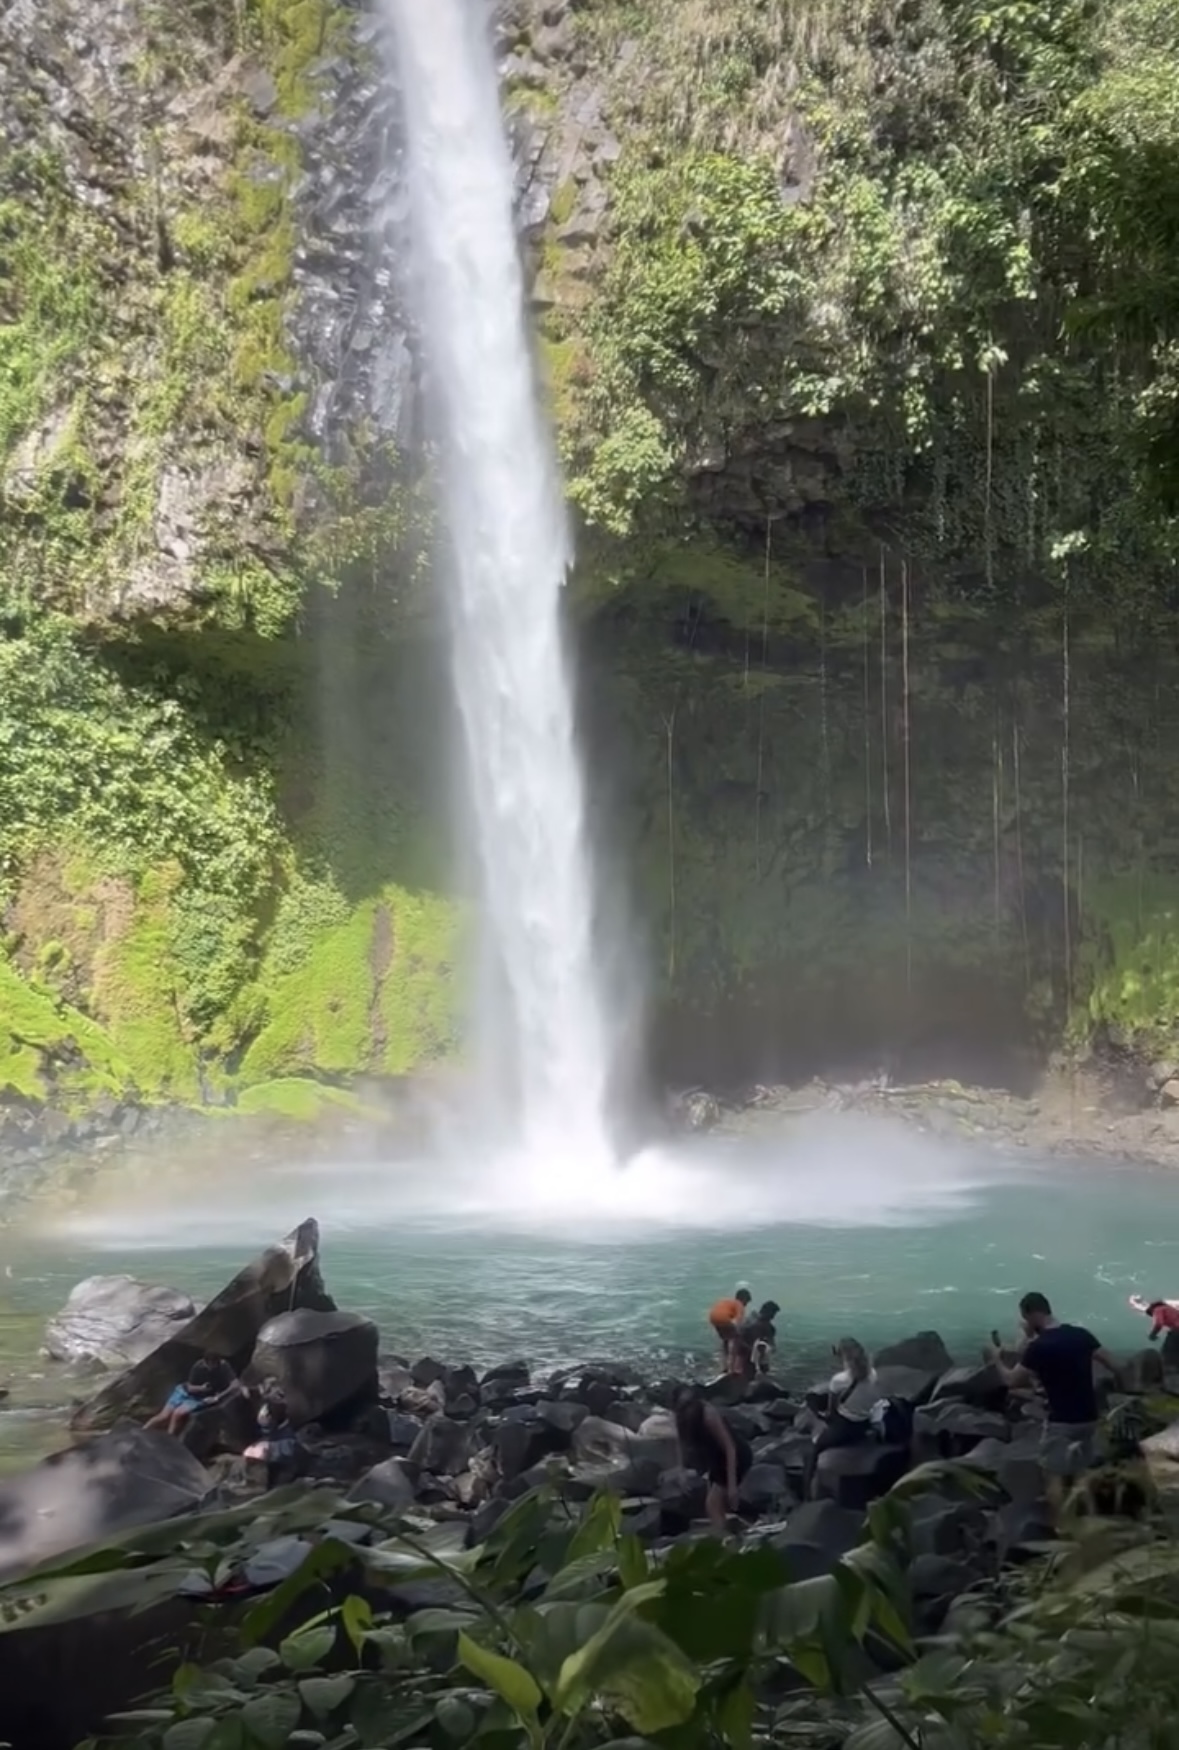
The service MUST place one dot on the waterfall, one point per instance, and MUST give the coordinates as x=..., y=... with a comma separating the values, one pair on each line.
x=507, y=552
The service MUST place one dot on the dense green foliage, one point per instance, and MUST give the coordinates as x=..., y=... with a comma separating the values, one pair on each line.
x=883, y=306
x=562, y=1629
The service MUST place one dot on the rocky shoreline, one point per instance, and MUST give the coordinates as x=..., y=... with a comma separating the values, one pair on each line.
x=440, y=1438
x=383, y=1439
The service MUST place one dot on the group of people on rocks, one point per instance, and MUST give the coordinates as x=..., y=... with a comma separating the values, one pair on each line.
x=212, y=1384
x=1055, y=1358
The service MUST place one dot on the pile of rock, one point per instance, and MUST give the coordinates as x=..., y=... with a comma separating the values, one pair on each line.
x=451, y=1443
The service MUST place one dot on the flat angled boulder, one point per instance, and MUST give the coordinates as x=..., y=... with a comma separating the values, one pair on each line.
x=94, y=1491
x=282, y=1277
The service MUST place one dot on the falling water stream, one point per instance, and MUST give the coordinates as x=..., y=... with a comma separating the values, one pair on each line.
x=506, y=560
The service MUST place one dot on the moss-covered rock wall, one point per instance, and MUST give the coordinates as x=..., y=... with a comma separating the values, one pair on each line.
x=875, y=593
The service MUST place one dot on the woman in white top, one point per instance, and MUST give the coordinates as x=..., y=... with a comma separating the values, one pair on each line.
x=854, y=1395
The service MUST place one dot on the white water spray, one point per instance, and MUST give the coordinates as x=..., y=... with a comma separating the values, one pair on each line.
x=509, y=552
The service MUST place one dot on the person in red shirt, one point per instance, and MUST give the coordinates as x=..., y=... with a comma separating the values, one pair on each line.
x=1163, y=1314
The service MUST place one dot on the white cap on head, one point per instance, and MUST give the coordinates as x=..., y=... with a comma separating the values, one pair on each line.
x=743, y=1288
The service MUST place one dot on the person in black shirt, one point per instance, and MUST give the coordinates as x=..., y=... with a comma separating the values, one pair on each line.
x=211, y=1381
x=708, y=1444
x=1059, y=1359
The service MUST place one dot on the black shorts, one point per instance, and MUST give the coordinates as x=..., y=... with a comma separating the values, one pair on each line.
x=718, y=1467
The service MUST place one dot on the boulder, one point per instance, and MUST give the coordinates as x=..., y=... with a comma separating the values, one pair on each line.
x=816, y=1536
x=950, y=1427
x=599, y=1442
x=855, y=1476
x=1164, y=1445
x=525, y=1436
x=91, y=1492
x=765, y=1489
x=1019, y=1528
x=908, y=1385
x=336, y=1458
x=427, y=1370
x=442, y=1447
x=681, y=1495
x=116, y=1321
x=941, y=1526
x=283, y=1277
x=974, y=1385
x=319, y=1359
x=388, y=1483
x=925, y=1352
x=1143, y=1371
x=403, y=1431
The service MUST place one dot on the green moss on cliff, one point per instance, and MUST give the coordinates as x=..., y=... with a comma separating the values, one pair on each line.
x=48, y=1049
x=373, y=993
x=1129, y=961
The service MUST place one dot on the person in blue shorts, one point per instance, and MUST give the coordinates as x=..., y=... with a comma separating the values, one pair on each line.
x=211, y=1381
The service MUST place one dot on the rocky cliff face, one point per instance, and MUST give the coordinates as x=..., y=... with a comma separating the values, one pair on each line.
x=867, y=750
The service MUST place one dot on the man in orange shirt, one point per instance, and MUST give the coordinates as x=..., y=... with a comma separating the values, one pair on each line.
x=725, y=1318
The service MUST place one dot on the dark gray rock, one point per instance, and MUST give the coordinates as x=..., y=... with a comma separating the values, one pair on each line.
x=950, y=1427
x=925, y=1352
x=816, y=1536
x=525, y=1437
x=855, y=1476
x=116, y=1321
x=975, y=1385
x=92, y=1492
x=681, y=1495
x=389, y=1483
x=443, y=1447
x=765, y=1489
x=319, y=1359
x=1018, y=1526
x=1143, y=1371
x=908, y=1385
x=427, y=1370
x=940, y=1526
x=284, y=1276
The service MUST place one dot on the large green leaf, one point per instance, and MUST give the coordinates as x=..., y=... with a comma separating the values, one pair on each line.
x=328, y=1556
x=271, y=1717
x=308, y=1646
x=323, y=1695
x=505, y=1677
x=600, y=1527
x=191, y=1734
x=632, y=1664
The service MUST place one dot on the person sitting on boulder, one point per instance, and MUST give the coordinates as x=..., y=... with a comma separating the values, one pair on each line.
x=848, y=1421
x=726, y=1318
x=708, y=1445
x=210, y=1383
x=275, y=1442
x=755, y=1340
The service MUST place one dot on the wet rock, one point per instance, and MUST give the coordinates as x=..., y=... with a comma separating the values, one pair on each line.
x=694, y=1109
x=319, y=1360
x=908, y=1385
x=284, y=1276
x=442, y=1446
x=390, y=1484
x=88, y=1493
x=116, y=1321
